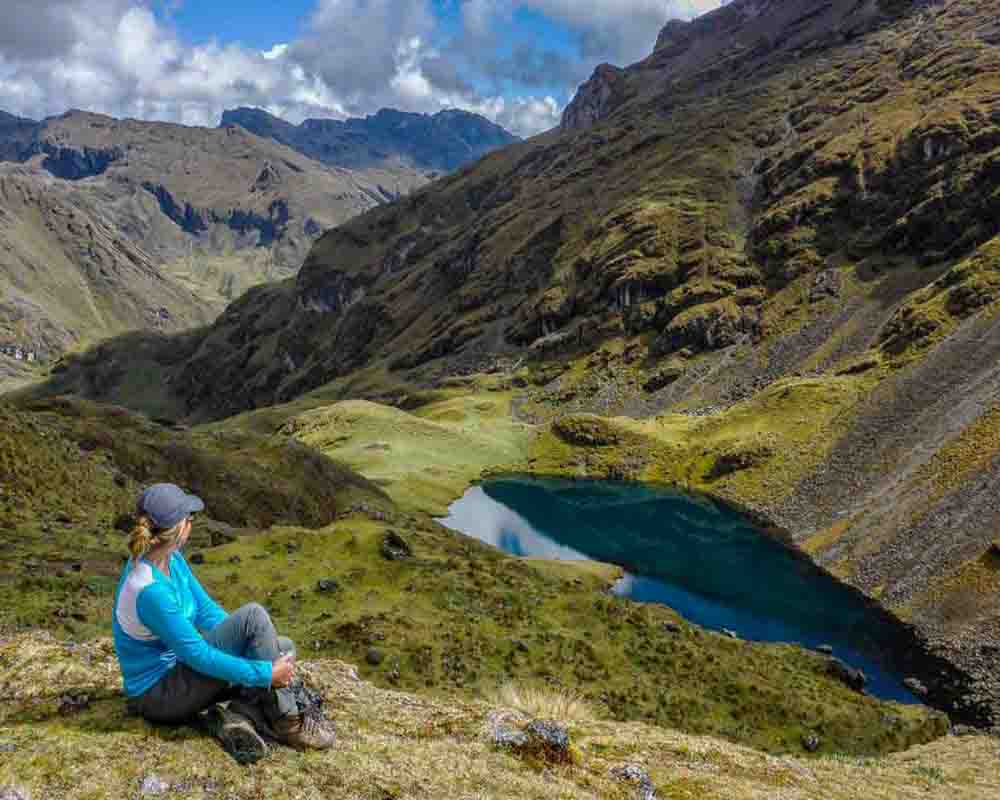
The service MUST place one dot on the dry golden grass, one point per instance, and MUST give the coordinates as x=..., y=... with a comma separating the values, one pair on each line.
x=543, y=703
x=399, y=745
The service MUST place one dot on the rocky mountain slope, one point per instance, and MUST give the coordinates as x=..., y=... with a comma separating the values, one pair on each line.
x=441, y=142
x=762, y=262
x=67, y=275
x=204, y=213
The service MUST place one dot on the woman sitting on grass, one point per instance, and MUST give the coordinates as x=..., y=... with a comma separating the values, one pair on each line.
x=180, y=652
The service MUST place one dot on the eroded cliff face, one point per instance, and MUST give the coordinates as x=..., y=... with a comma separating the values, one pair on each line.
x=597, y=98
x=68, y=277
x=209, y=213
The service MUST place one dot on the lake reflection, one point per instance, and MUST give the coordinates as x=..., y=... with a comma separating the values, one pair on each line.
x=705, y=561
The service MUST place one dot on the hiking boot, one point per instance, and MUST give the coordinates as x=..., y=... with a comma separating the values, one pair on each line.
x=236, y=734
x=254, y=712
x=304, y=732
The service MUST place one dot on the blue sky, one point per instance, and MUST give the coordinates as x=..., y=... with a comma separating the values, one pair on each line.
x=272, y=23
x=228, y=21
x=515, y=61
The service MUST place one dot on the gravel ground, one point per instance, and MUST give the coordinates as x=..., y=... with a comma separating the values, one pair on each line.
x=895, y=547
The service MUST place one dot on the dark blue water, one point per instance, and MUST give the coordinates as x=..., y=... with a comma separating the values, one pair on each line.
x=705, y=561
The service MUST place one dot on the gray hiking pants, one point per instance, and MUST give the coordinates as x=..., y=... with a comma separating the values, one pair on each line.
x=182, y=692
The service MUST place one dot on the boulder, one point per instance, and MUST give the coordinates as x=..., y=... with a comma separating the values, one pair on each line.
x=14, y=793
x=550, y=740
x=544, y=740
x=153, y=785
x=663, y=377
x=915, y=686
x=827, y=283
x=849, y=676
x=395, y=547
x=73, y=702
x=508, y=737
x=810, y=742
x=374, y=656
x=327, y=585
x=636, y=775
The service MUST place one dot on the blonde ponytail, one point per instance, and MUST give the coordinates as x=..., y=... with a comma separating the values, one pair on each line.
x=144, y=536
x=141, y=538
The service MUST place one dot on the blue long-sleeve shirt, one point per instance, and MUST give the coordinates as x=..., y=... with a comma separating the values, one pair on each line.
x=157, y=622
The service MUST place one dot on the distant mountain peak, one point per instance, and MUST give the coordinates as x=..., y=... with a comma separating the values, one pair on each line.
x=443, y=141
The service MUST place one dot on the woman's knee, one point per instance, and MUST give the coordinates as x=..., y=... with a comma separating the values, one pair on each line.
x=255, y=614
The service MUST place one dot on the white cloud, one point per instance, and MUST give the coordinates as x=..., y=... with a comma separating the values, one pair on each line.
x=354, y=57
x=619, y=31
x=276, y=52
x=527, y=113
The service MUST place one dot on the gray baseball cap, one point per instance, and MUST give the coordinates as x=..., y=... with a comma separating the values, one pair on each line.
x=167, y=504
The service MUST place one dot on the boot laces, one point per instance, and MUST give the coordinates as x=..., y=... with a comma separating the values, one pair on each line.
x=312, y=726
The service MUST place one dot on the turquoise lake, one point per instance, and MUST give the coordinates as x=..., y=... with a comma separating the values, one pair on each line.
x=700, y=558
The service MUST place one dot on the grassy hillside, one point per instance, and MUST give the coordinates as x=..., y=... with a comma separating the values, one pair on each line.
x=452, y=617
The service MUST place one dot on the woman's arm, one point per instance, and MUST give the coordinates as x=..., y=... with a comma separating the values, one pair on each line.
x=159, y=612
x=208, y=613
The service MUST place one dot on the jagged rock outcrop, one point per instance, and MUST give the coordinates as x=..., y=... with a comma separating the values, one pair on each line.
x=16, y=137
x=597, y=98
x=73, y=164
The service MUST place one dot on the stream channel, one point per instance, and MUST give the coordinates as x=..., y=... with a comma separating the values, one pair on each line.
x=700, y=558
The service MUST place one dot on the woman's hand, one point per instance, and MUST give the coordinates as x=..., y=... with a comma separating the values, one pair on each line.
x=282, y=672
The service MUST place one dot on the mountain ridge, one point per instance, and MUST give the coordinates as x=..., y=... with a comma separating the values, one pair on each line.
x=441, y=142
x=214, y=210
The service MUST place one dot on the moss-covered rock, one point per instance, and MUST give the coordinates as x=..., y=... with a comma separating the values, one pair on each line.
x=737, y=456
x=710, y=326
x=930, y=314
x=587, y=430
x=665, y=375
